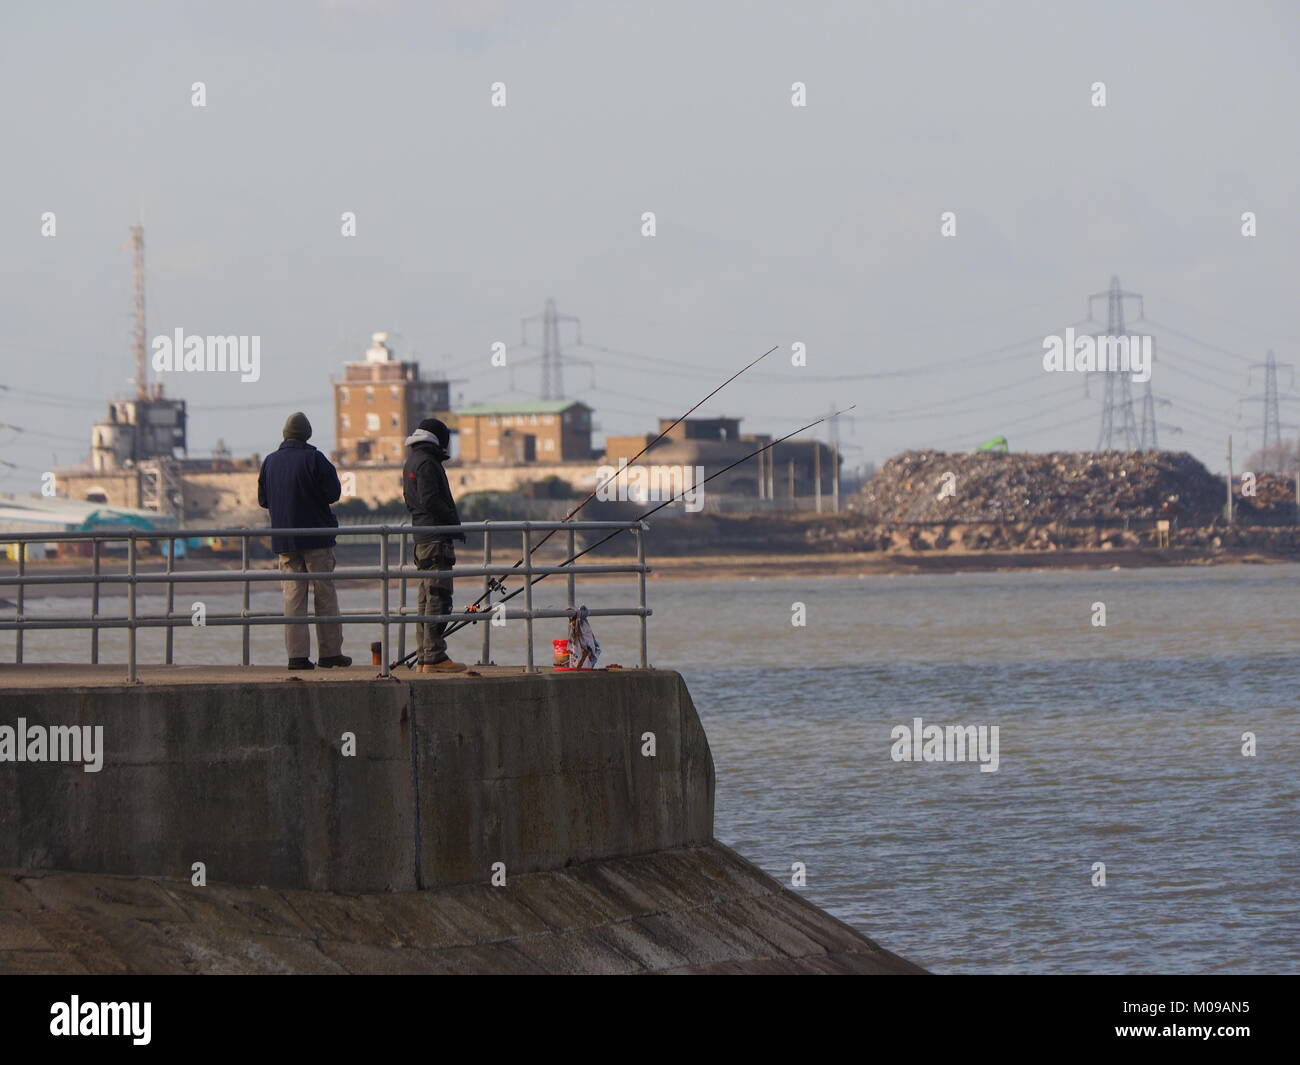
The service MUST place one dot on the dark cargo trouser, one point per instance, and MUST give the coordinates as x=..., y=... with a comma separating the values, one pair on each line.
x=435, y=598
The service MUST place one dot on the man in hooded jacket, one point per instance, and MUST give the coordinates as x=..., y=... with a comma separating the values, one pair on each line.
x=428, y=498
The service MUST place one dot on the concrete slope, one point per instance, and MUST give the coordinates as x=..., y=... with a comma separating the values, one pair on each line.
x=690, y=910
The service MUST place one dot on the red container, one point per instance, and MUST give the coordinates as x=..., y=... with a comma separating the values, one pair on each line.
x=561, y=653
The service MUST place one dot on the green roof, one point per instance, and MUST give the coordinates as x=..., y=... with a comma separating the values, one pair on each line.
x=546, y=406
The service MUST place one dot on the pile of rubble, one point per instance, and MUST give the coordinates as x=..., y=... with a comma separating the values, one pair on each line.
x=1060, y=487
x=1279, y=540
x=1273, y=501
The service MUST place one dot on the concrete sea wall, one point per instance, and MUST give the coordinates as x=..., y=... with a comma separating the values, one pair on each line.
x=367, y=786
x=505, y=823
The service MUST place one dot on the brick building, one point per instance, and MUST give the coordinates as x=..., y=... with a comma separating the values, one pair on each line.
x=546, y=431
x=379, y=401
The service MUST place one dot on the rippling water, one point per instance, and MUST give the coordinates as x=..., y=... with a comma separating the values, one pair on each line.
x=1119, y=745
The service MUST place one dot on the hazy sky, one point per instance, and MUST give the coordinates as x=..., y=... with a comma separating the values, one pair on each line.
x=775, y=224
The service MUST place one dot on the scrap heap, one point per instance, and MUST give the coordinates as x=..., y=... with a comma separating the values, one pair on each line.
x=1059, y=487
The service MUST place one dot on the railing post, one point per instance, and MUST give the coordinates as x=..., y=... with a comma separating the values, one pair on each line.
x=401, y=607
x=130, y=609
x=640, y=558
x=94, y=605
x=18, y=610
x=484, y=655
x=171, y=598
x=573, y=589
x=383, y=601
x=528, y=594
x=243, y=568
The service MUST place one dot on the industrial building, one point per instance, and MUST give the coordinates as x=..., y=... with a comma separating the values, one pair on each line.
x=379, y=401
x=554, y=430
x=789, y=471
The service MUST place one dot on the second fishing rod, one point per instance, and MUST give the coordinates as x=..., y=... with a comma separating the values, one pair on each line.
x=496, y=585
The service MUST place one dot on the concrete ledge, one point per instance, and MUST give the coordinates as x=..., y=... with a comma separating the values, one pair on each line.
x=451, y=774
x=698, y=910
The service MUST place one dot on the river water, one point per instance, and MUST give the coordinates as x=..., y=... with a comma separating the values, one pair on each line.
x=1118, y=744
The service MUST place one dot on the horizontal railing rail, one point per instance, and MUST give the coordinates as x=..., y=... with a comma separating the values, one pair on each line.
x=384, y=573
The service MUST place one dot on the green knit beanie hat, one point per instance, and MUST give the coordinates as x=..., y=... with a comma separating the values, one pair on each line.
x=297, y=427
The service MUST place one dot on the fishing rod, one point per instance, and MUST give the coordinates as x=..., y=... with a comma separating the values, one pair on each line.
x=458, y=625
x=495, y=584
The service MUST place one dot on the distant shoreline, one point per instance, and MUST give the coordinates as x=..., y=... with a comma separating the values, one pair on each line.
x=732, y=566
x=895, y=563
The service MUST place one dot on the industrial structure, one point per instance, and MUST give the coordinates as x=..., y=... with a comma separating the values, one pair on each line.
x=1273, y=451
x=1119, y=426
x=143, y=433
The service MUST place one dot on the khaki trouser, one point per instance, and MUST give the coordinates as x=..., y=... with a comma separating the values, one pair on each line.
x=329, y=636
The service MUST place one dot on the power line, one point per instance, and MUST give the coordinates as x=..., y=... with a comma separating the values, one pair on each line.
x=1202, y=343
x=1229, y=321
x=1234, y=374
x=978, y=360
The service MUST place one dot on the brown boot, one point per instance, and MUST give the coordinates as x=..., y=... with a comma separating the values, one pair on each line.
x=445, y=666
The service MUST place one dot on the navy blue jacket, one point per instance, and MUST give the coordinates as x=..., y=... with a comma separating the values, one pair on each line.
x=297, y=485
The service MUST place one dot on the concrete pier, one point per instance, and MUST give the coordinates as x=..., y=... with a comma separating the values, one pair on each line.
x=503, y=822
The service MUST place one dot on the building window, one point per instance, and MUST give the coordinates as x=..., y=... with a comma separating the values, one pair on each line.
x=346, y=421
x=549, y=445
x=372, y=422
x=547, y=419
x=343, y=395
x=395, y=392
x=370, y=395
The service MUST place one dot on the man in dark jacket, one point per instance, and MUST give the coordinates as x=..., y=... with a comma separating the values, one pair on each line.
x=428, y=498
x=297, y=485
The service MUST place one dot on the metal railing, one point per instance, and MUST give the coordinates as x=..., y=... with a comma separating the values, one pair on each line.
x=384, y=573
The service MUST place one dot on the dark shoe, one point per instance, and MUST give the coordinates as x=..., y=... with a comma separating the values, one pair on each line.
x=300, y=663
x=334, y=660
